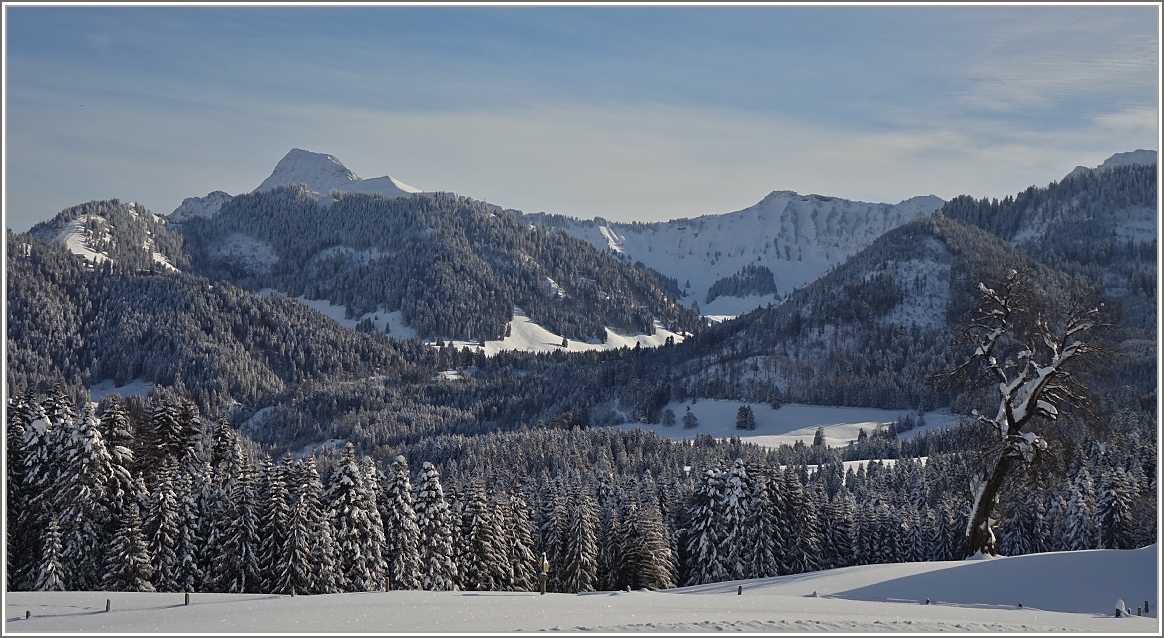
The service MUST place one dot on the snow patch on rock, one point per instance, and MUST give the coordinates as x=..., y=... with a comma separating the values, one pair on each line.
x=200, y=206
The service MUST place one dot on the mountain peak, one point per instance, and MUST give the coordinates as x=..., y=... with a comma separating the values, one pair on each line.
x=322, y=173
x=1138, y=156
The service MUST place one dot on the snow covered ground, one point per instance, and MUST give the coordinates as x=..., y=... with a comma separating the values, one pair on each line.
x=1063, y=591
x=391, y=321
x=135, y=388
x=527, y=336
x=790, y=423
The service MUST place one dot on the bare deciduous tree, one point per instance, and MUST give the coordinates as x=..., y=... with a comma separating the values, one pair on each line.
x=1032, y=346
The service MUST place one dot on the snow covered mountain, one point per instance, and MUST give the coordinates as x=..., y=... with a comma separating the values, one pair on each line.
x=796, y=237
x=200, y=206
x=319, y=172
x=323, y=173
x=111, y=231
x=1138, y=156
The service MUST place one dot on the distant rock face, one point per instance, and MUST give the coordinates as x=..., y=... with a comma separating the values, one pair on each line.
x=1138, y=156
x=322, y=173
x=200, y=206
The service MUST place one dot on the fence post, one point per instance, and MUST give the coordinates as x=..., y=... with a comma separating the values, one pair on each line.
x=187, y=598
x=108, y=603
x=739, y=590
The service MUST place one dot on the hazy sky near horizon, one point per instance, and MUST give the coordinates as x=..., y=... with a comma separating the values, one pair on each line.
x=631, y=113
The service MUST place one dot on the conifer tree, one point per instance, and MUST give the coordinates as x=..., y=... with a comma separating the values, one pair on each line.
x=1116, y=529
x=81, y=504
x=1081, y=530
x=401, y=532
x=20, y=542
x=521, y=557
x=309, y=494
x=480, y=550
x=358, y=544
x=650, y=563
x=438, y=566
x=274, y=523
x=580, y=552
x=705, y=548
x=163, y=531
x=48, y=575
x=132, y=569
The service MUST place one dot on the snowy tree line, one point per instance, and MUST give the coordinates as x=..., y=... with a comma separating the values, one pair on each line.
x=148, y=496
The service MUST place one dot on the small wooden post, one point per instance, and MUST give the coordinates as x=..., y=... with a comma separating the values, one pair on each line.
x=108, y=604
x=1138, y=612
x=27, y=614
x=1146, y=607
x=187, y=598
x=739, y=590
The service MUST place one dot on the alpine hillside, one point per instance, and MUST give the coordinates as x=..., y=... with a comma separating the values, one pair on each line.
x=729, y=264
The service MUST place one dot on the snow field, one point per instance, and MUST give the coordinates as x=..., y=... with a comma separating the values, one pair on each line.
x=791, y=423
x=1062, y=591
x=135, y=388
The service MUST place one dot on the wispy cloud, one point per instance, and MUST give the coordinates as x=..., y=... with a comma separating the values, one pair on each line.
x=652, y=115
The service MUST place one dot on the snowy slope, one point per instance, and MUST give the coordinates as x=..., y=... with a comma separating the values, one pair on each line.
x=1063, y=591
x=79, y=241
x=322, y=173
x=84, y=235
x=797, y=237
x=525, y=335
x=528, y=336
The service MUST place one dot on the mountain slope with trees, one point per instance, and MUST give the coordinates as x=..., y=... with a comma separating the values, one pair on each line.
x=453, y=267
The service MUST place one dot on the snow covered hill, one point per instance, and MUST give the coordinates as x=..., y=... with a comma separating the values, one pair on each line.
x=319, y=172
x=797, y=237
x=113, y=231
x=323, y=173
x=1037, y=593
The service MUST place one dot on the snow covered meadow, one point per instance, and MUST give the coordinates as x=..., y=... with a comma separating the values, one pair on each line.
x=1059, y=591
x=789, y=424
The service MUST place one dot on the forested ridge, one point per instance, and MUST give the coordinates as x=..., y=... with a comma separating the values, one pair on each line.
x=454, y=267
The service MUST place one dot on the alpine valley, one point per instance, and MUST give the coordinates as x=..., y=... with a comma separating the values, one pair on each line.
x=544, y=376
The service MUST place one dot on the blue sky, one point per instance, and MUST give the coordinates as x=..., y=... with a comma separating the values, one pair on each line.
x=631, y=113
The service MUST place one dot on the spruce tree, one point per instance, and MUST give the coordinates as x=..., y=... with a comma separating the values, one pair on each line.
x=163, y=531
x=580, y=552
x=274, y=523
x=438, y=565
x=132, y=570
x=49, y=574
x=402, y=534
x=358, y=545
x=324, y=575
x=705, y=547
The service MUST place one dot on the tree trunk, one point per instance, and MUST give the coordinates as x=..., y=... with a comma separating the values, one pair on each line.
x=979, y=538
